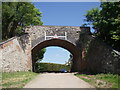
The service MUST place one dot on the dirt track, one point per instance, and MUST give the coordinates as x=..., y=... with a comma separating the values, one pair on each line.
x=57, y=80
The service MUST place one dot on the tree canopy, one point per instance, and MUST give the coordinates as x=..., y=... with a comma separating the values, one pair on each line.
x=17, y=15
x=40, y=54
x=106, y=21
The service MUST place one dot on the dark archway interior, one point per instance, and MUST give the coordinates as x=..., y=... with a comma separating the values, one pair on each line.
x=57, y=42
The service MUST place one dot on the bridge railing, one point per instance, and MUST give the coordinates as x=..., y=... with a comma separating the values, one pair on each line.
x=47, y=37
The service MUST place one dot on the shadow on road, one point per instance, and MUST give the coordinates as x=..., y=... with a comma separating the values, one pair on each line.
x=52, y=72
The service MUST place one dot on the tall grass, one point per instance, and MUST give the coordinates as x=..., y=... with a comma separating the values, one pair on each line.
x=16, y=79
x=109, y=80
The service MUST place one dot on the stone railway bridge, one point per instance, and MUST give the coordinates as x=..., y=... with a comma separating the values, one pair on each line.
x=89, y=53
x=62, y=36
x=18, y=53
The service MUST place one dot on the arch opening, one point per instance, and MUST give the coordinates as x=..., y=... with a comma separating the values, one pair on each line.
x=63, y=44
x=55, y=59
x=55, y=54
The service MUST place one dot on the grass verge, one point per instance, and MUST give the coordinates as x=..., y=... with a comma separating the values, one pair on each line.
x=16, y=79
x=101, y=80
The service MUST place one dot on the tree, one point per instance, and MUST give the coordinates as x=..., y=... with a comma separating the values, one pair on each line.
x=106, y=21
x=69, y=63
x=39, y=56
x=17, y=15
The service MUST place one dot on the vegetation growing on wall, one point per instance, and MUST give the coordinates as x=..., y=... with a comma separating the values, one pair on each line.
x=106, y=22
x=17, y=15
x=50, y=67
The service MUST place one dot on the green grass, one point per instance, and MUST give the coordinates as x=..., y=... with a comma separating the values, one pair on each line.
x=101, y=80
x=16, y=79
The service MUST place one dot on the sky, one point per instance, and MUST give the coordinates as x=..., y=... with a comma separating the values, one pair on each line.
x=65, y=0
x=56, y=55
x=62, y=14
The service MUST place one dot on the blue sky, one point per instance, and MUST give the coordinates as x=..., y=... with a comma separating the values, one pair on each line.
x=56, y=55
x=62, y=14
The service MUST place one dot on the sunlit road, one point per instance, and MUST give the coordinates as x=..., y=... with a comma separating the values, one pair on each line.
x=57, y=80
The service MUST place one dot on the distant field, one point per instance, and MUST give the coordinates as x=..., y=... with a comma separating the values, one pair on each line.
x=16, y=79
x=101, y=80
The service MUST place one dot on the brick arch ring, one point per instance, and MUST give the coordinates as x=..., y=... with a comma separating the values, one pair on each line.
x=60, y=43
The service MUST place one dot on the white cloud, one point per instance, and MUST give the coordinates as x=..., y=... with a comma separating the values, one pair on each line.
x=57, y=55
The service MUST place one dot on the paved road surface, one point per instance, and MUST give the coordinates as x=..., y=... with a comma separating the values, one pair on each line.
x=57, y=80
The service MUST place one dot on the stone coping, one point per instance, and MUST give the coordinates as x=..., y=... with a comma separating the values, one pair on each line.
x=8, y=40
x=51, y=26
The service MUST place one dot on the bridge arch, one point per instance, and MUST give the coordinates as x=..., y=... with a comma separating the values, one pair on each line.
x=74, y=50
